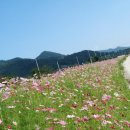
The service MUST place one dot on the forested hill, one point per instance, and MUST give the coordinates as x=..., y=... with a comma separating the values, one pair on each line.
x=48, y=60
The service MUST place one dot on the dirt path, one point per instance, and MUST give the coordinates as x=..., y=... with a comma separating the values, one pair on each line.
x=126, y=65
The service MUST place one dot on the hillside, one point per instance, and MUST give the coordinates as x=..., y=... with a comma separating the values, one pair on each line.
x=92, y=96
x=16, y=67
x=50, y=55
x=24, y=67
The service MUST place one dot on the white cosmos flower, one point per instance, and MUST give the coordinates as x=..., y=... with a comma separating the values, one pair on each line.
x=116, y=94
x=15, y=123
x=11, y=107
x=70, y=116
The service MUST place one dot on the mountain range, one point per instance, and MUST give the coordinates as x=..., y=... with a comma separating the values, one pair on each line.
x=115, y=49
x=23, y=67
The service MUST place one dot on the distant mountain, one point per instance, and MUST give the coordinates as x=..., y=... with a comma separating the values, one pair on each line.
x=16, y=67
x=82, y=56
x=50, y=55
x=115, y=49
x=23, y=67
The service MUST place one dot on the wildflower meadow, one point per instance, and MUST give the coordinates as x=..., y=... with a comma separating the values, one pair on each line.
x=85, y=97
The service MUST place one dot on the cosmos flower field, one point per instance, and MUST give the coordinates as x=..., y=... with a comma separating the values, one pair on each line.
x=87, y=97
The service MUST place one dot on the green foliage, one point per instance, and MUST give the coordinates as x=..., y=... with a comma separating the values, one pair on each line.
x=43, y=70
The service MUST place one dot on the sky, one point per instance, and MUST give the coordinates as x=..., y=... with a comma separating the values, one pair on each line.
x=29, y=27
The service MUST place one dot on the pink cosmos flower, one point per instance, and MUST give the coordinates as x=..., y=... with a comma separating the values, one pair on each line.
x=62, y=123
x=2, y=85
x=9, y=127
x=47, y=84
x=83, y=119
x=127, y=123
x=5, y=96
x=46, y=109
x=106, y=97
x=96, y=116
x=108, y=115
x=105, y=122
x=37, y=86
x=1, y=121
x=84, y=108
x=51, y=128
x=90, y=103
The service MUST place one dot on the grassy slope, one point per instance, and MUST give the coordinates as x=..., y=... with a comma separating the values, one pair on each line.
x=70, y=101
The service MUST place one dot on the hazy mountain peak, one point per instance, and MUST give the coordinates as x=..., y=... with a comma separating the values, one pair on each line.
x=119, y=48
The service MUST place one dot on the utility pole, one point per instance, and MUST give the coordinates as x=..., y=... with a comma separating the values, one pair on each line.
x=90, y=57
x=77, y=60
x=58, y=66
x=109, y=55
x=38, y=67
x=100, y=54
x=105, y=56
x=95, y=53
x=113, y=54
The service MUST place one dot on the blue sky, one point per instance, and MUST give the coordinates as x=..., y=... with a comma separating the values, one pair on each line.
x=28, y=27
